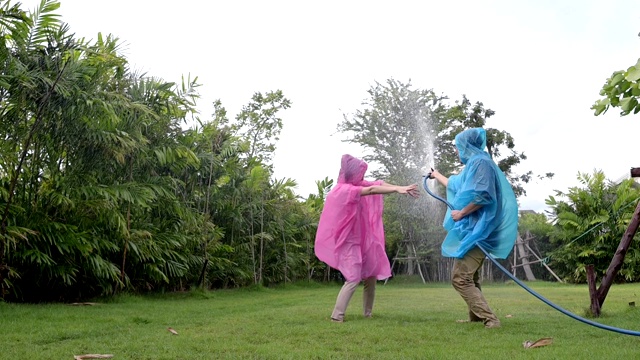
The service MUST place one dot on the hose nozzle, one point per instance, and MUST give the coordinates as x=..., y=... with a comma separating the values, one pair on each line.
x=428, y=176
x=424, y=184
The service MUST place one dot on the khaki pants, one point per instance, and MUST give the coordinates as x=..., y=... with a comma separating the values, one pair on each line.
x=345, y=294
x=465, y=281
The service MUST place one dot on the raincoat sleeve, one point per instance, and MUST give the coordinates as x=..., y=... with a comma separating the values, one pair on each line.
x=493, y=225
x=350, y=236
x=336, y=222
x=453, y=185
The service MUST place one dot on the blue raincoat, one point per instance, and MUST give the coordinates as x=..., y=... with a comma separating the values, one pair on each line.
x=495, y=225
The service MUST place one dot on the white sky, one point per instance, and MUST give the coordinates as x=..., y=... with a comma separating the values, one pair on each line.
x=539, y=64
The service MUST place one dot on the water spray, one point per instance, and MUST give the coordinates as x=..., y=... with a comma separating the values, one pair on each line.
x=531, y=291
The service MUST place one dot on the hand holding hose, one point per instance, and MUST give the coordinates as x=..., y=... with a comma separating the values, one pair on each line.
x=434, y=174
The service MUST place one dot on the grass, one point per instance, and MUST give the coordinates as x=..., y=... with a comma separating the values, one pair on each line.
x=411, y=321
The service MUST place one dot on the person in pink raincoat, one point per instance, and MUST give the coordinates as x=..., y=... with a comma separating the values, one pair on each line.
x=350, y=236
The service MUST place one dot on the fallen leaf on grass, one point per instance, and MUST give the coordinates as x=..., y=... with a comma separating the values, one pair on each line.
x=82, y=304
x=509, y=316
x=172, y=331
x=538, y=343
x=92, y=356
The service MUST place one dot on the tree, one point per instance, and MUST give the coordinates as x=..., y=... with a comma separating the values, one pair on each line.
x=259, y=126
x=589, y=224
x=405, y=131
x=500, y=144
x=535, y=230
x=101, y=189
x=84, y=167
x=398, y=128
x=621, y=89
x=38, y=67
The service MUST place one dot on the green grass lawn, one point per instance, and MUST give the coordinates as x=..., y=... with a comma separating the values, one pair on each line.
x=411, y=321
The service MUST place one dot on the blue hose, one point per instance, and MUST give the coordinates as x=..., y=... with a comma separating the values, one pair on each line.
x=540, y=297
x=424, y=183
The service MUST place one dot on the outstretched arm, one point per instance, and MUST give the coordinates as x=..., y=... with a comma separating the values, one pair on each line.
x=386, y=188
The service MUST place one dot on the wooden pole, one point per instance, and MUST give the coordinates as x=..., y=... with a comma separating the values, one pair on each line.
x=543, y=263
x=415, y=254
x=525, y=259
x=616, y=262
x=515, y=259
x=618, y=258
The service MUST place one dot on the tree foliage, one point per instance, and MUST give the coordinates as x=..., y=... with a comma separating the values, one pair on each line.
x=102, y=190
x=464, y=114
x=405, y=131
x=589, y=225
x=258, y=124
x=535, y=230
x=395, y=127
x=621, y=89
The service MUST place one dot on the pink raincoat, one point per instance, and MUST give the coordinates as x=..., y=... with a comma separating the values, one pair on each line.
x=350, y=235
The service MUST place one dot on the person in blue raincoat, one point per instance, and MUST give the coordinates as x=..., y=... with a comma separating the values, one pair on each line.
x=485, y=213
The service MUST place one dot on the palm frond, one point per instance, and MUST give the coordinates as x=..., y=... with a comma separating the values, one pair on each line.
x=45, y=22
